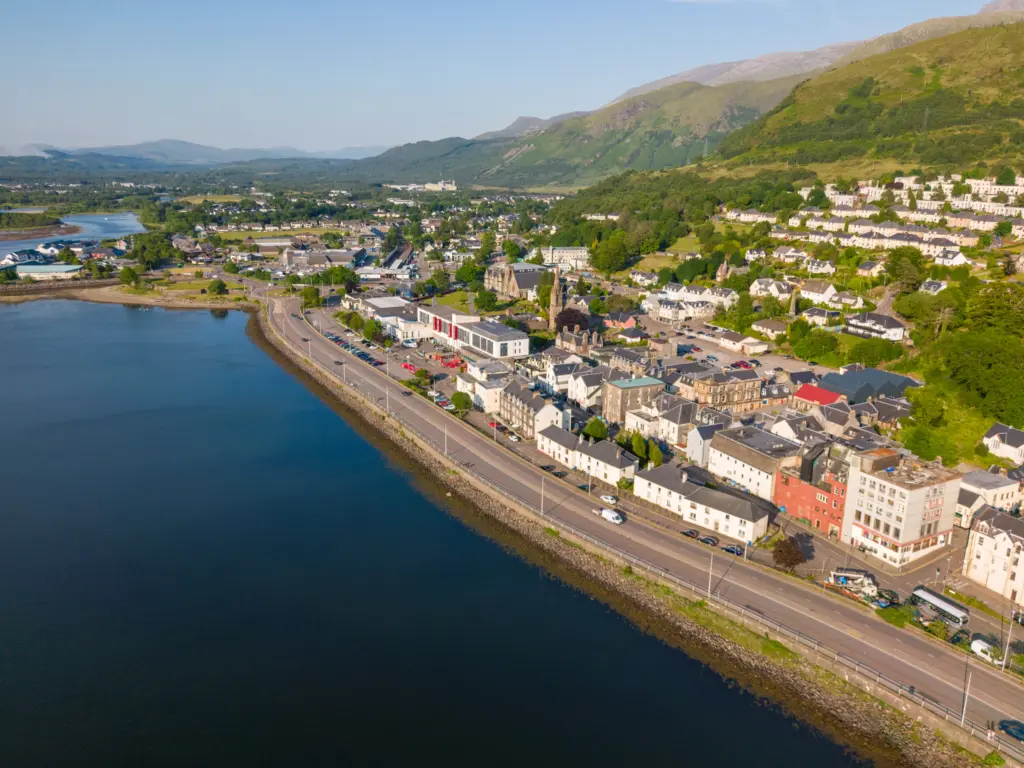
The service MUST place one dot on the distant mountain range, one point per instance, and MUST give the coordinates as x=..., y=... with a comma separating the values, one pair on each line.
x=667, y=123
x=172, y=152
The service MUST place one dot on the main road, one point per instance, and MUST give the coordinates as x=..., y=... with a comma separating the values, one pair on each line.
x=935, y=671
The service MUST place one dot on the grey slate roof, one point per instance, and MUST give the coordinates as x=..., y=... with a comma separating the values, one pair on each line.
x=674, y=479
x=560, y=436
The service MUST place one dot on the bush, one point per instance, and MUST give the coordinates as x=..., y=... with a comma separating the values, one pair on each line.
x=787, y=554
x=897, y=615
x=462, y=402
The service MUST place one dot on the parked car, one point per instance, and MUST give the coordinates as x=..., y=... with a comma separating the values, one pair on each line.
x=691, y=533
x=1012, y=728
x=985, y=650
x=755, y=363
x=514, y=437
x=548, y=467
x=711, y=541
x=610, y=515
x=609, y=499
x=560, y=474
x=409, y=367
x=712, y=358
x=734, y=549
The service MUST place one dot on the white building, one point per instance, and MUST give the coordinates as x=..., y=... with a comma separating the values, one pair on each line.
x=818, y=291
x=1005, y=442
x=459, y=330
x=751, y=458
x=899, y=509
x=603, y=461
x=993, y=556
x=668, y=487
x=994, y=489
x=875, y=326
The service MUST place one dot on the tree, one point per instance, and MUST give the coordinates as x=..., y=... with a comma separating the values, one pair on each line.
x=440, y=280
x=217, y=287
x=129, y=276
x=1003, y=228
x=582, y=287
x=597, y=306
x=906, y=266
x=544, y=286
x=463, y=402
x=486, y=301
x=311, y=297
x=620, y=303
x=655, y=455
x=570, y=318
x=231, y=268
x=372, y=329
x=513, y=251
x=788, y=554
x=1006, y=177
x=639, y=447
x=611, y=254
x=596, y=429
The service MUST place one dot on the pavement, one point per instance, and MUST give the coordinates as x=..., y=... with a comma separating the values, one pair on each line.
x=934, y=669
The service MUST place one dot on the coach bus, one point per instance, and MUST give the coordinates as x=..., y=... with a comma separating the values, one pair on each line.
x=952, y=612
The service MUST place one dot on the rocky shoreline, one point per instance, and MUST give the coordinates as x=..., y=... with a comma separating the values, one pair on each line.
x=838, y=705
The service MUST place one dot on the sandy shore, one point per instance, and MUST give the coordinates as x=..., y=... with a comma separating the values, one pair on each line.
x=115, y=294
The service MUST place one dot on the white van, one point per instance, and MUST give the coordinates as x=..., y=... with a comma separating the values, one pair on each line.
x=610, y=515
x=987, y=651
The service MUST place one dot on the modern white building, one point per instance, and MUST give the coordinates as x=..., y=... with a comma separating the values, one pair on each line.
x=875, y=326
x=899, y=509
x=669, y=487
x=458, y=330
x=993, y=556
x=994, y=489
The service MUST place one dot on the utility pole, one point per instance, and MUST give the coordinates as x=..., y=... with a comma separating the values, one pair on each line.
x=967, y=695
x=1009, y=633
x=542, y=495
x=446, y=439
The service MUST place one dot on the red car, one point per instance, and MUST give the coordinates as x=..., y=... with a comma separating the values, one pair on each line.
x=409, y=367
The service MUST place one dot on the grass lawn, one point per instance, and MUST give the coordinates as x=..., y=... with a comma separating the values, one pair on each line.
x=198, y=285
x=197, y=199
x=257, y=236
x=459, y=300
x=651, y=263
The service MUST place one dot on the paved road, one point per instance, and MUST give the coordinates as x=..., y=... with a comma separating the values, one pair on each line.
x=934, y=670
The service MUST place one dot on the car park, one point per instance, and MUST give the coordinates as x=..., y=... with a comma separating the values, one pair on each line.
x=711, y=541
x=691, y=533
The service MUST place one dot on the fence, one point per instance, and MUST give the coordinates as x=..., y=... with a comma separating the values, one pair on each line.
x=1010, y=748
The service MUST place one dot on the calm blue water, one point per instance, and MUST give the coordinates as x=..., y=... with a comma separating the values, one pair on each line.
x=94, y=226
x=201, y=564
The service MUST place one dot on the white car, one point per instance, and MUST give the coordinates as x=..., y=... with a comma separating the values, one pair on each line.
x=613, y=500
x=513, y=438
x=434, y=394
x=610, y=515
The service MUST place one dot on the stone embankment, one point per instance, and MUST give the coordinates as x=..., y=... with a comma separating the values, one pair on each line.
x=850, y=708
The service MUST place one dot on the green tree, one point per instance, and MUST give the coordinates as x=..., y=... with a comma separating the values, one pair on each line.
x=597, y=306
x=463, y=402
x=231, y=268
x=596, y=429
x=129, y=276
x=612, y=253
x=655, y=455
x=439, y=279
x=906, y=267
x=217, y=287
x=1007, y=177
x=311, y=297
x=1003, y=228
x=372, y=330
x=639, y=447
x=486, y=301
x=513, y=251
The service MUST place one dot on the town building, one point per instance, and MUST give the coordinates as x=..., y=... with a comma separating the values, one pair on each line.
x=815, y=489
x=523, y=408
x=623, y=395
x=808, y=396
x=872, y=325
x=603, y=461
x=483, y=380
x=48, y=272
x=899, y=508
x=817, y=291
x=770, y=328
x=993, y=556
x=458, y=330
x=514, y=281
x=670, y=488
x=1005, y=442
x=737, y=391
x=993, y=488
x=751, y=458
x=859, y=384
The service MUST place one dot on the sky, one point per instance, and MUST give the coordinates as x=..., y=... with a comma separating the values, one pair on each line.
x=323, y=74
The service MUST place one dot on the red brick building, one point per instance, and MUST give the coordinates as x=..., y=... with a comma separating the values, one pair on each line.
x=815, y=490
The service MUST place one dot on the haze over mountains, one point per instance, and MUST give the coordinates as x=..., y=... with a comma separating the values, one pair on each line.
x=667, y=123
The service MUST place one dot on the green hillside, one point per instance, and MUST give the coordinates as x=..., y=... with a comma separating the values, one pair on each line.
x=662, y=129
x=949, y=101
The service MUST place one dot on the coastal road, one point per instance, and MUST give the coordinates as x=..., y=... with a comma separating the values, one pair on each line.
x=933, y=669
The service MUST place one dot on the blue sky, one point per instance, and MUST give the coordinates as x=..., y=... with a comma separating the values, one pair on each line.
x=322, y=74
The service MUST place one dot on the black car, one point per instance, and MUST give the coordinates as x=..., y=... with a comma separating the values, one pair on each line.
x=691, y=533
x=711, y=541
x=559, y=474
x=304, y=339
x=548, y=467
x=1012, y=728
x=584, y=488
x=733, y=549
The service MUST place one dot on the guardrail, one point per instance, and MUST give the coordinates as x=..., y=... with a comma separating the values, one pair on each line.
x=957, y=719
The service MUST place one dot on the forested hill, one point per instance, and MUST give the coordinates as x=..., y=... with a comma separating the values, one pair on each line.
x=949, y=101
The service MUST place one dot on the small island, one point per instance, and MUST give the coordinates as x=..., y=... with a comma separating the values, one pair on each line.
x=23, y=226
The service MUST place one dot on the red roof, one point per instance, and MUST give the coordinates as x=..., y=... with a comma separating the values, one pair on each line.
x=817, y=395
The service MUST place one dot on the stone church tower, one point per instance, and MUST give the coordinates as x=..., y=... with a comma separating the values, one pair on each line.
x=557, y=301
